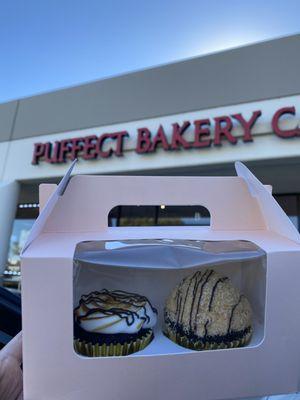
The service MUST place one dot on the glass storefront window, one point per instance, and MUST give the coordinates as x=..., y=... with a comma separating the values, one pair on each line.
x=158, y=215
x=21, y=229
x=25, y=217
x=290, y=204
x=183, y=215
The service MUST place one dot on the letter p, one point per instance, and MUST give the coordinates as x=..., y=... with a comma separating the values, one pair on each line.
x=38, y=152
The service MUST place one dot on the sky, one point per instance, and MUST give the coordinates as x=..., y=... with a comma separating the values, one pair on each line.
x=51, y=44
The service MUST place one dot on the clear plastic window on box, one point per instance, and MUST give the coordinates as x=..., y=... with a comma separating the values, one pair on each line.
x=108, y=275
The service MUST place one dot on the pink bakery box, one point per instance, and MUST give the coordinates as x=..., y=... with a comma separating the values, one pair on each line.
x=76, y=212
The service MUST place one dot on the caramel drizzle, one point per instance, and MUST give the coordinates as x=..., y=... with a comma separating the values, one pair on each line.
x=102, y=300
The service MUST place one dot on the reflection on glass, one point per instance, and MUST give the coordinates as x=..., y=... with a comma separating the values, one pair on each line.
x=21, y=229
x=289, y=204
x=159, y=215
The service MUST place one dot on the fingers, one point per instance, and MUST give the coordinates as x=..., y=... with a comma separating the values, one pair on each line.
x=20, y=396
x=13, y=349
x=11, y=380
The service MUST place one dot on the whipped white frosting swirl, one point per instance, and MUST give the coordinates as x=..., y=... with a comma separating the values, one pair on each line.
x=113, y=312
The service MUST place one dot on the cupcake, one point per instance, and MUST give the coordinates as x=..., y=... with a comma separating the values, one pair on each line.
x=113, y=323
x=205, y=311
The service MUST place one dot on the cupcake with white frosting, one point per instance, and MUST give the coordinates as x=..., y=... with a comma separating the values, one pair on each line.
x=113, y=323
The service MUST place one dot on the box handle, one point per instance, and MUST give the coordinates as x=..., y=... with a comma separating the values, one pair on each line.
x=242, y=203
x=87, y=200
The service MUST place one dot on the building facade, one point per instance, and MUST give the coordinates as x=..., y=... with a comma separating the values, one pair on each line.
x=194, y=117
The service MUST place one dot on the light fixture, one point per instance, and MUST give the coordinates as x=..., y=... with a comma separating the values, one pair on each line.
x=29, y=205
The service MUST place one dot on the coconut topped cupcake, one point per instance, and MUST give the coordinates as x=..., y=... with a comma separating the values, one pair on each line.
x=205, y=311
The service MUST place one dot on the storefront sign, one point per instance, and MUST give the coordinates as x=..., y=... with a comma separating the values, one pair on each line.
x=206, y=133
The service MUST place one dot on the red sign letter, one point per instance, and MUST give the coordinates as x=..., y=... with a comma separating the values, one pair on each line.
x=247, y=125
x=177, y=139
x=200, y=132
x=55, y=152
x=76, y=147
x=119, y=136
x=89, y=144
x=143, y=141
x=38, y=152
x=100, y=151
x=64, y=149
x=160, y=137
x=224, y=130
x=275, y=123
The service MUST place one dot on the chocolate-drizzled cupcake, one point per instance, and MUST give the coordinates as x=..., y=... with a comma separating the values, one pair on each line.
x=113, y=323
x=205, y=311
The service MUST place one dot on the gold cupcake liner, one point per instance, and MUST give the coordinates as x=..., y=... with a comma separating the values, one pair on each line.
x=199, y=345
x=104, y=350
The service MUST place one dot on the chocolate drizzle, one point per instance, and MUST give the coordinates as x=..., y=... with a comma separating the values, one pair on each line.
x=118, y=302
x=205, y=328
x=186, y=295
x=197, y=277
x=198, y=280
x=211, y=339
x=200, y=297
x=213, y=291
x=232, y=311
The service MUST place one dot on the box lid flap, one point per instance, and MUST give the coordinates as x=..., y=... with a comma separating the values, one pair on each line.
x=275, y=218
x=40, y=222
